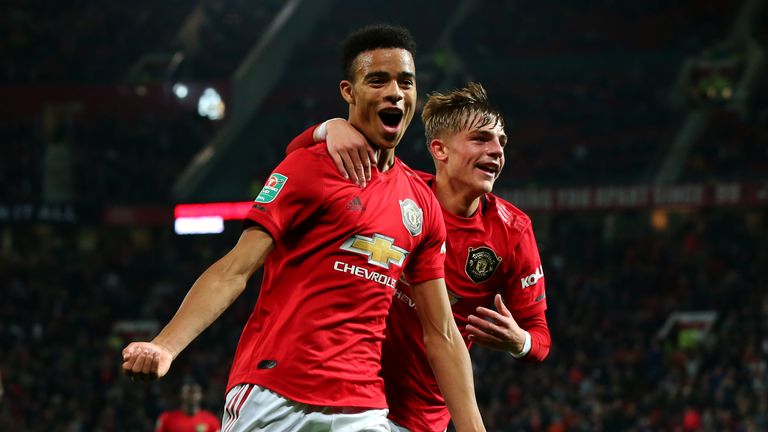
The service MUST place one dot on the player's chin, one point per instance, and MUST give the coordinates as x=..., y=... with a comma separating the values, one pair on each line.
x=387, y=141
x=485, y=186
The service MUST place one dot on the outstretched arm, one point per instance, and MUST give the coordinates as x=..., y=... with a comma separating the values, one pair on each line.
x=447, y=354
x=209, y=296
x=348, y=148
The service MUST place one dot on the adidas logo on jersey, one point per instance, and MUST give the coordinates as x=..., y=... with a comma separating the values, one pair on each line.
x=355, y=204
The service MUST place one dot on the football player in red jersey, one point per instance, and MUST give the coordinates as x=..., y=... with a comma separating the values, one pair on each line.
x=492, y=261
x=309, y=357
x=191, y=417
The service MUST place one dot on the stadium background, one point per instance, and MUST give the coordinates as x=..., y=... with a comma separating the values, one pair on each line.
x=638, y=144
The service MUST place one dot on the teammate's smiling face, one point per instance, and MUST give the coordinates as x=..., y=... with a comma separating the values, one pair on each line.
x=474, y=156
x=381, y=95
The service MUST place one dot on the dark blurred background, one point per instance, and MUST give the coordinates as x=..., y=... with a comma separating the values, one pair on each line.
x=638, y=145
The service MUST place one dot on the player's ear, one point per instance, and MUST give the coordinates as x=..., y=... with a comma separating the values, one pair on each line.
x=438, y=149
x=345, y=87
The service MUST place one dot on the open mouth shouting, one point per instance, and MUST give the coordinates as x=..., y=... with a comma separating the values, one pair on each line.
x=391, y=119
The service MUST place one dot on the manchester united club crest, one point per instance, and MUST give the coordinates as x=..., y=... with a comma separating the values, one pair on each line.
x=481, y=263
x=413, y=216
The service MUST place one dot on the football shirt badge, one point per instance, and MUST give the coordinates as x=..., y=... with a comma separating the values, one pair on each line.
x=413, y=216
x=481, y=263
x=271, y=188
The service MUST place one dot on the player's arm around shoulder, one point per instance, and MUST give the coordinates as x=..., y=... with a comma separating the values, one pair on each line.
x=348, y=148
x=447, y=354
x=209, y=296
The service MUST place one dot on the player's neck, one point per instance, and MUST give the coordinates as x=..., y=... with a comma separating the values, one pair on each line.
x=385, y=158
x=190, y=410
x=455, y=198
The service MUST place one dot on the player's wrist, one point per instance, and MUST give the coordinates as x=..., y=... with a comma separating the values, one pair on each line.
x=321, y=132
x=526, y=347
x=167, y=347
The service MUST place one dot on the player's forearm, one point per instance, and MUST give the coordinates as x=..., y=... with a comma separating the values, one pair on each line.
x=541, y=340
x=447, y=354
x=450, y=362
x=215, y=290
x=208, y=298
x=540, y=344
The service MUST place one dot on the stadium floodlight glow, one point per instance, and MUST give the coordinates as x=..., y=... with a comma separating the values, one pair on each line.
x=224, y=210
x=199, y=225
x=211, y=105
x=207, y=218
x=180, y=90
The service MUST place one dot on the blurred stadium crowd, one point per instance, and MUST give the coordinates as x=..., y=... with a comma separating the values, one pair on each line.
x=613, y=284
x=594, y=94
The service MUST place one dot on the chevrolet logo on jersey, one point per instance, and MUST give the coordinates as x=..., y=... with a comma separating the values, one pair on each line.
x=380, y=250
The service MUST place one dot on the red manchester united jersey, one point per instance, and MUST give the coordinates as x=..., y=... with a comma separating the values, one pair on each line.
x=494, y=251
x=179, y=421
x=316, y=331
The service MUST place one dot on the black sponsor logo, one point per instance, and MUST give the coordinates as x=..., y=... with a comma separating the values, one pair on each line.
x=355, y=204
x=481, y=263
x=259, y=207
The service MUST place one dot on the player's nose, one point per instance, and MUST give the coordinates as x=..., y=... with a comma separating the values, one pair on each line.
x=393, y=93
x=495, y=148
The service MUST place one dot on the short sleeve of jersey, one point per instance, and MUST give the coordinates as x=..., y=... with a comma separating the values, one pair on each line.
x=525, y=294
x=291, y=194
x=428, y=260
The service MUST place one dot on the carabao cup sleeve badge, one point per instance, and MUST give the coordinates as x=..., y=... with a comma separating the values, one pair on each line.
x=413, y=216
x=271, y=188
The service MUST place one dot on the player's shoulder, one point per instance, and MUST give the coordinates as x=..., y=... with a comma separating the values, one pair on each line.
x=422, y=192
x=507, y=213
x=316, y=156
x=425, y=176
x=169, y=415
x=311, y=166
x=418, y=178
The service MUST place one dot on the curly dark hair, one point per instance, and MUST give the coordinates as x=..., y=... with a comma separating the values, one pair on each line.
x=374, y=37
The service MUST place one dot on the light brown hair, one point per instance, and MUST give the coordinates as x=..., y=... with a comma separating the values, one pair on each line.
x=458, y=110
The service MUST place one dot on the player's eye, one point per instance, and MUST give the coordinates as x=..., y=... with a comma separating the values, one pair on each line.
x=376, y=81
